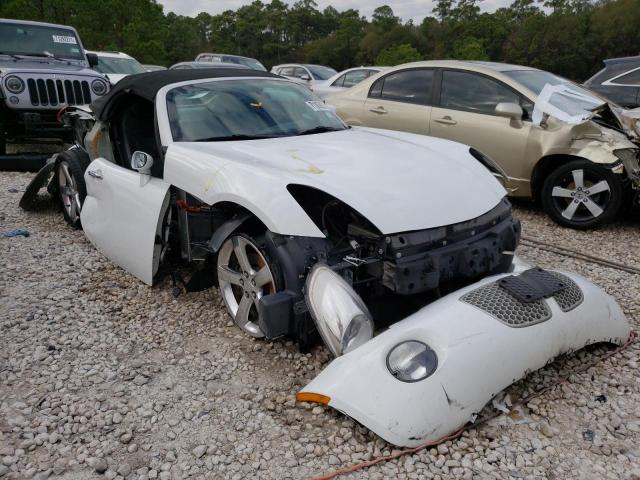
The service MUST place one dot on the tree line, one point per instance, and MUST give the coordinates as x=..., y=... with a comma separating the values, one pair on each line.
x=567, y=37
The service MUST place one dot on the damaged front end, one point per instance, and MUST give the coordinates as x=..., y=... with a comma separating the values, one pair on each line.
x=431, y=373
x=595, y=129
x=80, y=120
x=393, y=274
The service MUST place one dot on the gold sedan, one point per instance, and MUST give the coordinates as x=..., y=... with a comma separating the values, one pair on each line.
x=557, y=142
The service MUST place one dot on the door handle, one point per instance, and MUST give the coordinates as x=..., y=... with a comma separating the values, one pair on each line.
x=378, y=110
x=446, y=120
x=97, y=174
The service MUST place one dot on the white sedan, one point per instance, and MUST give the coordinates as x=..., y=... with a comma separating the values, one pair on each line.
x=310, y=229
x=117, y=65
x=343, y=80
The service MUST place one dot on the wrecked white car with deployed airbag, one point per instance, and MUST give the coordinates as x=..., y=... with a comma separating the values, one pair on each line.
x=314, y=230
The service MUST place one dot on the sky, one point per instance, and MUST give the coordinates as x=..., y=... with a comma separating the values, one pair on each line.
x=405, y=9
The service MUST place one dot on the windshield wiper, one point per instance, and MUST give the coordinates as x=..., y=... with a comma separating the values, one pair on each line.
x=47, y=55
x=235, y=137
x=320, y=129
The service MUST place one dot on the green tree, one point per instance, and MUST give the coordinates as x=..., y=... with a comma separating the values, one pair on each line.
x=470, y=48
x=398, y=54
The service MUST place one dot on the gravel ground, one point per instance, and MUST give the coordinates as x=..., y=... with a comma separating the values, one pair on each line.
x=104, y=377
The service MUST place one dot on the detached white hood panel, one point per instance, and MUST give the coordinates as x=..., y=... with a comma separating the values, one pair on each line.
x=399, y=181
x=478, y=356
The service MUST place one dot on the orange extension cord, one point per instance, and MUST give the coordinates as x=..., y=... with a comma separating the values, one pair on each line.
x=457, y=433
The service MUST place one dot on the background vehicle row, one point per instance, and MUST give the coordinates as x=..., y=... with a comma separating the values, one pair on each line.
x=580, y=161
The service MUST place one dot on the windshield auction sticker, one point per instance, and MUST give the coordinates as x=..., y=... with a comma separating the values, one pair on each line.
x=64, y=39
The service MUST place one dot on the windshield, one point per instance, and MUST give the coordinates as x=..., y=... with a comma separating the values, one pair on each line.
x=249, y=62
x=246, y=109
x=22, y=39
x=122, y=65
x=536, y=80
x=321, y=73
x=557, y=96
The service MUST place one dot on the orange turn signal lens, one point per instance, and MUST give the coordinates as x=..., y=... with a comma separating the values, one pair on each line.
x=313, y=398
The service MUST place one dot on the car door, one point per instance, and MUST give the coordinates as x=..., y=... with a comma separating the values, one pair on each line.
x=401, y=101
x=465, y=112
x=122, y=215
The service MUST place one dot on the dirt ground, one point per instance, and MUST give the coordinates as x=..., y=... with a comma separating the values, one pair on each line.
x=104, y=377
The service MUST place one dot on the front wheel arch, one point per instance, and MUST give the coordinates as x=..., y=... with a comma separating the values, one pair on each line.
x=543, y=169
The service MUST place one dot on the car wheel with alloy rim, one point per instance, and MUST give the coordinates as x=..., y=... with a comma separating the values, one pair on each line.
x=245, y=275
x=71, y=187
x=581, y=194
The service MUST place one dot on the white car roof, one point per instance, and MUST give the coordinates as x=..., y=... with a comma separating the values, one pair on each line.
x=110, y=54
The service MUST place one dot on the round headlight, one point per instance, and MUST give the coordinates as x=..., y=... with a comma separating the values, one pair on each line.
x=14, y=84
x=342, y=318
x=412, y=361
x=99, y=87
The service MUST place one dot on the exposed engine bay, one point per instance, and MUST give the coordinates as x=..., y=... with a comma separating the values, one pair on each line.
x=409, y=268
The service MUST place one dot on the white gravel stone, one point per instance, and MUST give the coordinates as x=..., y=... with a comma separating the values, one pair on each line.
x=99, y=370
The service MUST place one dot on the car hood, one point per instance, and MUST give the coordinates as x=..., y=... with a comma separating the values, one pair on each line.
x=398, y=181
x=39, y=64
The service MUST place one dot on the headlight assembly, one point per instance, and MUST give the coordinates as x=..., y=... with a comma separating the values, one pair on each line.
x=14, y=84
x=99, y=87
x=342, y=318
x=412, y=361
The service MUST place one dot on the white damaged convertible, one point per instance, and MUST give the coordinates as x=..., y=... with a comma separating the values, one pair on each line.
x=395, y=249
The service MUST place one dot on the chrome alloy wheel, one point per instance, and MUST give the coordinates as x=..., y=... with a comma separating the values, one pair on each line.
x=69, y=193
x=244, y=276
x=590, y=193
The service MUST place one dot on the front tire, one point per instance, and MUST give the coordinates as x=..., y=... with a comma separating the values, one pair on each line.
x=72, y=189
x=582, y=195
x=245, y=274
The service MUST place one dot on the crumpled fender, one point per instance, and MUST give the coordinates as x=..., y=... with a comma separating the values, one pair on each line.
x=37, y=182
x=478, y=356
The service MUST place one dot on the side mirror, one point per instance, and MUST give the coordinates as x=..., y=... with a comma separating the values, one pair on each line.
x=305, y=77
x=141, y=162
x=92, y=58
x=509, y=110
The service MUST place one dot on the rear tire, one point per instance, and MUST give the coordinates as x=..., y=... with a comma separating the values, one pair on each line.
x=71, y=187
x=582, y=195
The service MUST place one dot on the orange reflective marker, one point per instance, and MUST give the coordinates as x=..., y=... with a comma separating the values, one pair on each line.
x=313, y=398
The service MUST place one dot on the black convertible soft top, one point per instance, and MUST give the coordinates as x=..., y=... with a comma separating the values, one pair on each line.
x=146, y=85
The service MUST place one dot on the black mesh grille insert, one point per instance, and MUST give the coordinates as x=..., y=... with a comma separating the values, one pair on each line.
x=500, y=304
x=571, y=296
x=42, y=92
x=58, y=92
x=68, y=90
x=77, y=91
x=86, y=93
x=33, y=92
x=60, y=89
x=51, y=90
